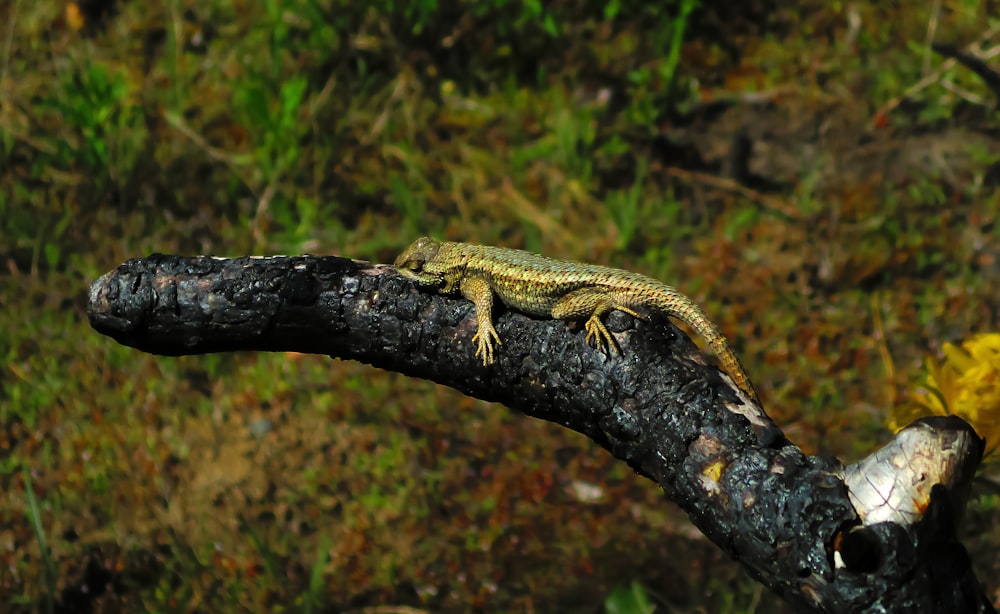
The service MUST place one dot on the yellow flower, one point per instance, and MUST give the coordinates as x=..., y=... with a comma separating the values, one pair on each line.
x=966, y=384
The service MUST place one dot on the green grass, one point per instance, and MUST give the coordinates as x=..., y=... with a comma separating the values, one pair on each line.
x=295, y=483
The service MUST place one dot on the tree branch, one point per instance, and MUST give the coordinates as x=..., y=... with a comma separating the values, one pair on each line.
x=788, y=517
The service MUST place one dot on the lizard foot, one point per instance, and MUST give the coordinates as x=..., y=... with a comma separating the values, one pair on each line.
x=484, y=339
x=598, y=335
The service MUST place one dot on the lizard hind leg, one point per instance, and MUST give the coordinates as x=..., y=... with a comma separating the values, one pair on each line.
x=594, y=304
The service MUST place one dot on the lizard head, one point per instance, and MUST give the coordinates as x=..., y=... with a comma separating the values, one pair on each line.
x=412, y=263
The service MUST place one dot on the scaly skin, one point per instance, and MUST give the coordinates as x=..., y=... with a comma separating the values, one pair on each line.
x=557, y=289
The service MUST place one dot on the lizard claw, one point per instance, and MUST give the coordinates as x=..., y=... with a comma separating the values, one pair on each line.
x=484, y=339
x=599, y=337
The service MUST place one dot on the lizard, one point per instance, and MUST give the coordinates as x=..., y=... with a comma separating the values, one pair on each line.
x=548, y=288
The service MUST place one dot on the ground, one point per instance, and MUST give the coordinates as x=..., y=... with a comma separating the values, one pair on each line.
x=814, y=174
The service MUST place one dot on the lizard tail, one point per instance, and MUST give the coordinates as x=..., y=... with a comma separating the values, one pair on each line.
x=692, y=315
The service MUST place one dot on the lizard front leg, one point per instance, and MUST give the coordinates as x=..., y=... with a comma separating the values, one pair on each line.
x=595, y=303
x=478, y=290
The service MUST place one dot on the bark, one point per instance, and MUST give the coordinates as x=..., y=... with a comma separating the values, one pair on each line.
x=788, y=517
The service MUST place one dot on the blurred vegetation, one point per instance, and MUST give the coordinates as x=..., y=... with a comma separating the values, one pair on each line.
x=811, y=172
x=966, y=383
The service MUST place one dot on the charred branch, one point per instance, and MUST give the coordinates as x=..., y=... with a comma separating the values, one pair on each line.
x=790, y=518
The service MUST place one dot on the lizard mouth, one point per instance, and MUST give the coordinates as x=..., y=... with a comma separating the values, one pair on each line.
x=421, y=277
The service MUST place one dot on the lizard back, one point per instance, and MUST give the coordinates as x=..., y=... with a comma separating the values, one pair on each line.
x=532, y=283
